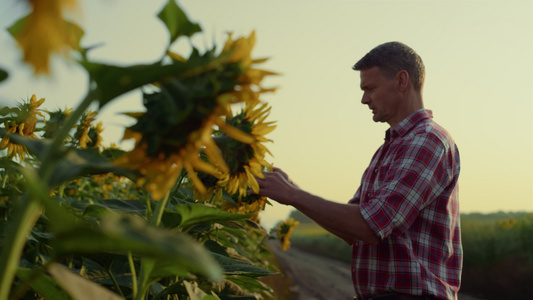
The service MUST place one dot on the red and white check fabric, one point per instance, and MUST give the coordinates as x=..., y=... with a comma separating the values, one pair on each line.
x=408, y=196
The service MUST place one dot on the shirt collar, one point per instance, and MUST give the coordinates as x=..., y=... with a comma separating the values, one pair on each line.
x=408, y=123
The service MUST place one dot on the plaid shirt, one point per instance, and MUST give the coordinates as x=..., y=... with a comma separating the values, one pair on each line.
x=408, y=196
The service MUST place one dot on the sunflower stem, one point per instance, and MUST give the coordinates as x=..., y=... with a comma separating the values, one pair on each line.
x=133, y=275
x=159, y=209
x=178, y=182
x=115, y=282
x=4, y=181
x=25, y=214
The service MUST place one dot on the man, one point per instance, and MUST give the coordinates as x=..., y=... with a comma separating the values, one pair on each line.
x=403, y=221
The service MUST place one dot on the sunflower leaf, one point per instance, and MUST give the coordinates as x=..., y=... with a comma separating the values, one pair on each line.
x=43, y=284
x=121, y=233
x=235, y=267
x=71, y=163
x=112, y=81
x=177, y=22
x=78, y=287
x=193, y=214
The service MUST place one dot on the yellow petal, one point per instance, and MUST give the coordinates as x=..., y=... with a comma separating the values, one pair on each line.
x=194, y=178
x=176, y=56
x=204, y=167
x=235, y=133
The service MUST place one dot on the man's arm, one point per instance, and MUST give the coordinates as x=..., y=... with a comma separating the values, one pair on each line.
x=343, y=220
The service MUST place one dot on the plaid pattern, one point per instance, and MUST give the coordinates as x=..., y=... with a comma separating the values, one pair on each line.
x=408, y=196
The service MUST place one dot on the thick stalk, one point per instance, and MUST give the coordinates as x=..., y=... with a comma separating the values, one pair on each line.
x=26, y=214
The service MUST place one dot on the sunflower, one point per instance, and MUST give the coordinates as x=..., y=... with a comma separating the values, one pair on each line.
x=175, y=132
x=83, y=128
x=248, y=204
x=95, y=136
x=55, y=121
x=110, y=186
x=248, y=88
x=16, y=150
x=45, y=32
x=241, y=142
x=23, y=122
x=160, y=155
x=284, y=231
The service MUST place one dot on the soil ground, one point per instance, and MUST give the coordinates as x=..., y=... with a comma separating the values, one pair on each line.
x=307, y=276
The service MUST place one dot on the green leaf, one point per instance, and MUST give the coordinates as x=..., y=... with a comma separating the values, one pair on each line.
x=78, y=287
x=70, y=163
x=113, y=81
x=3, y=75
x=249, y=283
x=165, y=268
x=192, y=214
x=6, y=110
x=125, y=206
x=123, y=233
x=45, y=285
x=196, y=293
x=235, y=267
x=177, y=22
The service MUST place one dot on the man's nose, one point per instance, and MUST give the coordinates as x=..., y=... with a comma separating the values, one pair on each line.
x=365, y=99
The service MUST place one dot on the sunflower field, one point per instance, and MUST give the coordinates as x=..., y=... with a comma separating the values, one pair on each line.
x=176, y=216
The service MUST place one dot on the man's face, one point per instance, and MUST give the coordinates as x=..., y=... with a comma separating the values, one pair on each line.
x=380, y=94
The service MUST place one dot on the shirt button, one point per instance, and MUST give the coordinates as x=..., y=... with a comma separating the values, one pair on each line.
x=375, y=170
x=368, y=195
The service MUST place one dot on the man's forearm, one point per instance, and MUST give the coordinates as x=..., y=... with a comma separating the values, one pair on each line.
x=342, y=220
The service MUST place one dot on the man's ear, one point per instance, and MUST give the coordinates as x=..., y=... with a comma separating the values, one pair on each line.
x=403, y=80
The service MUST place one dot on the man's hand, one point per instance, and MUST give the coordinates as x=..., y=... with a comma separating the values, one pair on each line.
x=277, y=186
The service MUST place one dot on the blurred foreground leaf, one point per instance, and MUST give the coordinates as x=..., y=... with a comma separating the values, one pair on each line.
x=43, y=284
x=78, y=287
x=124, y=233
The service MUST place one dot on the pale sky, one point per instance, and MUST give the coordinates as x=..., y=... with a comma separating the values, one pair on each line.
x=479, y=74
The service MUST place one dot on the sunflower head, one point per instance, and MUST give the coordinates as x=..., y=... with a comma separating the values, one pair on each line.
x=22, y=120
x=247, y=204
x=95, y=136
x=249, y=79
x=56, y=119
x=45, y=32
x=244, y=152
x=83, y=127
x=284, y=232
x=171, y=135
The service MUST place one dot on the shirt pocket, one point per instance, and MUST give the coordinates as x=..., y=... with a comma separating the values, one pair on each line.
x=381, y=175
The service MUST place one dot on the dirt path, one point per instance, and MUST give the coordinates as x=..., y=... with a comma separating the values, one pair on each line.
x=314, y=277
x=318, y=278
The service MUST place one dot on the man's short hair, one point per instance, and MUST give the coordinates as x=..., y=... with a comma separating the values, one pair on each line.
x=392, y=58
